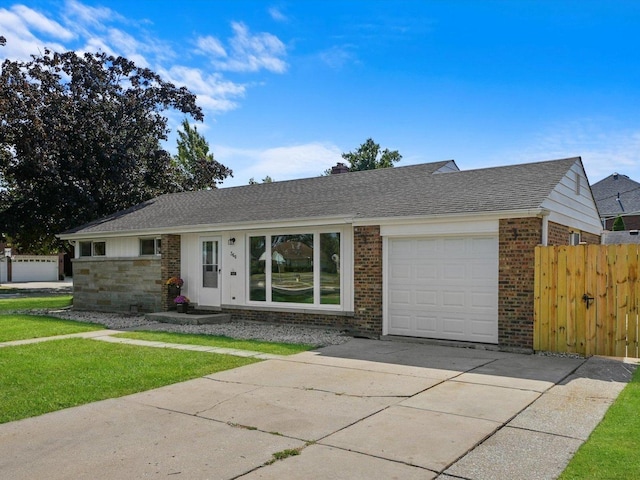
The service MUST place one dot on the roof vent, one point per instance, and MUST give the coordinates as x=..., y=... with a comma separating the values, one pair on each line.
x=615, y=176
x=339, y=168
x=633, y=232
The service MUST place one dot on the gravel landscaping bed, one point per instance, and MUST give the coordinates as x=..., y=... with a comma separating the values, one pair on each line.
x=237, y=329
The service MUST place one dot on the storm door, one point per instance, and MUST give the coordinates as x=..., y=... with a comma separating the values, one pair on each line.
x=210, y=272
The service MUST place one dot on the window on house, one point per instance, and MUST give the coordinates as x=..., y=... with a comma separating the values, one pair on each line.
x=85, y=249
x=257, y=274
x=150, y=246
x=93, y=249
x=299, y=268
x=99, y=249
x=330, y=268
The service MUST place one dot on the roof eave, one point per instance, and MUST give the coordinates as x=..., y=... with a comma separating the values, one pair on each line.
x=457, y=217
x=217, y=227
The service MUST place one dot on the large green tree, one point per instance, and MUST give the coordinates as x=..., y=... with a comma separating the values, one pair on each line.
x=80, y=139
x=369, y=157
x=197, y=169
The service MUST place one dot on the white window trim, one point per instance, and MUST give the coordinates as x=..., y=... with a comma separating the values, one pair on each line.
x=93, y=248
x=346, y=270
x=156, y=247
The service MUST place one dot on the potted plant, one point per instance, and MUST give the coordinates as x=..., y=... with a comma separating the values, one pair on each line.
x=174, y=284
x=182, y=303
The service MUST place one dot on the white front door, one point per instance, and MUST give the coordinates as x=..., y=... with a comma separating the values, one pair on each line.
x=210, y=276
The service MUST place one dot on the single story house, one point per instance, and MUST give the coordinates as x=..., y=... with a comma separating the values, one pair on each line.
x=417, y=251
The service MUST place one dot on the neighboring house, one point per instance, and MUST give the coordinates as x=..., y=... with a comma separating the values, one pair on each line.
x=618, y=195
x=618, y=238
x=418, y=251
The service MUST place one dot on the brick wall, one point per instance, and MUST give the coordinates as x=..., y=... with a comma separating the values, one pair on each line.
x=559, y=235
x=307, y=319
x=517, y=239
x=116, y=284
x=169, y=267
x=367, y=280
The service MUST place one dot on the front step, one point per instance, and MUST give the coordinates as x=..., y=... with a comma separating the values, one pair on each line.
x=189, y=318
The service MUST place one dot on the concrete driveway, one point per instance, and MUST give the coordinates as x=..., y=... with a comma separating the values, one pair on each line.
x=365, y=409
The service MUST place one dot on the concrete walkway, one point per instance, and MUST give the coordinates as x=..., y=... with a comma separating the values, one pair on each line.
x=365, y=409
x=107, y=336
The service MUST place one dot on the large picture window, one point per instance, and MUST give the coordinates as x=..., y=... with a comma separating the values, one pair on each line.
x=299, y=268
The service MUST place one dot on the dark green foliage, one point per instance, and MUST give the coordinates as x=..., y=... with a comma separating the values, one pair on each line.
x=79, y=140
x=618, y=224
x=369, y=157
x=197, y=169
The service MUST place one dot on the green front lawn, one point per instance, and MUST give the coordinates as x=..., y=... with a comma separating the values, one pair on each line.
x=611, y=452
x=22, y=327
x=29, y=303
x=218, y=341
x=57, y=374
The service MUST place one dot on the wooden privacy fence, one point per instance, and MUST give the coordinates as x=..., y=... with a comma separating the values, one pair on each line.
x=586, y=299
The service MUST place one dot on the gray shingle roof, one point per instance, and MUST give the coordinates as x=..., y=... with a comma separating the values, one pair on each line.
x=413, y=190
x=616, y=238
x=606, y=192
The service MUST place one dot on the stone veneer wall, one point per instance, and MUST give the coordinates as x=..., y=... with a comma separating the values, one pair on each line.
x=169, y=267
x=116, y=284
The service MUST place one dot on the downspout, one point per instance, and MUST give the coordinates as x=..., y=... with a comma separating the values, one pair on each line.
x=545, y=227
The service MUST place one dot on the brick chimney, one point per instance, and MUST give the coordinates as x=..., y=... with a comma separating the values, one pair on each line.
x=339, y=168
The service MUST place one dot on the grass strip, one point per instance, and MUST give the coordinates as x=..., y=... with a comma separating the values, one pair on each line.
x=30, y=303
x=611, y=451
x=218, y=341
x=23, y=326
x=49, y=376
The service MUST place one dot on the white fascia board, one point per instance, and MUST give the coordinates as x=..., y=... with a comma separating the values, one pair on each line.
x=214, y=228
x=451, y=218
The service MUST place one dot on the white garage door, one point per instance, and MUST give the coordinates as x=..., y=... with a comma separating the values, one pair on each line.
x=443, y=287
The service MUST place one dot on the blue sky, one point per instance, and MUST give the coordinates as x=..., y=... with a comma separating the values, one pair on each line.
x=287, y=86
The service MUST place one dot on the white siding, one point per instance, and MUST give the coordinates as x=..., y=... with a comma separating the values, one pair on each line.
x=117, y=247
x=571, y=202
x=234, y=264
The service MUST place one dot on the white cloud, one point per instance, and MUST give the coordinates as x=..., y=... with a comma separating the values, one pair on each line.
x=280, y=163
x=21, y=42
x=604, y=146
x=79, y=13
x=338, y=56
x=251, y=53
x=41, y=23
x=277, y=15
x=210, y=46
x=213, y=91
